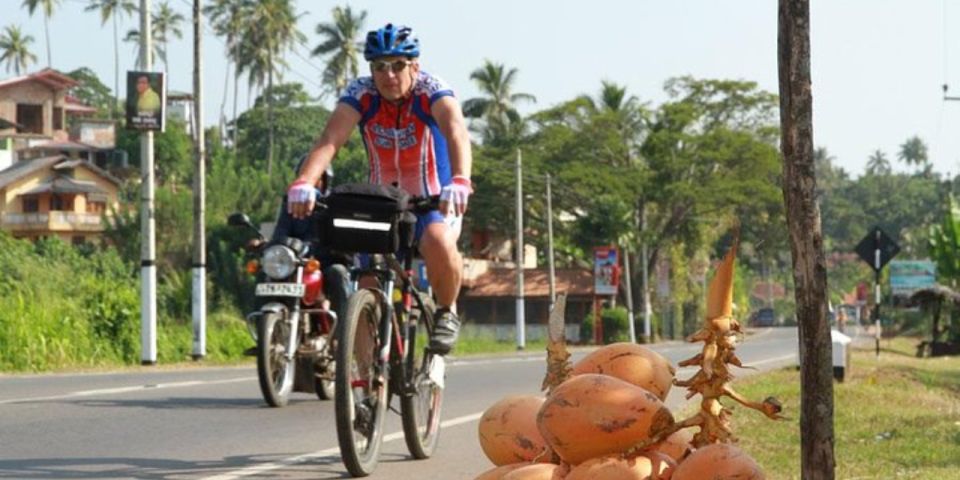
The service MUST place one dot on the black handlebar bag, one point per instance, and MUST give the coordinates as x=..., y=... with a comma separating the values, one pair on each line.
x=368, y=218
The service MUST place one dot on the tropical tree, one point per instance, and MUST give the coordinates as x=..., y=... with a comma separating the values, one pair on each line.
x=91, y=91
x=341, y=39
x=47, y=6
x=913, y=152
x=498, y=105
x=228, y=18
x=110, y=10
x=133, y=38
x=878, y=164
x=271, y=31
x=166, y=22
x=15, y=49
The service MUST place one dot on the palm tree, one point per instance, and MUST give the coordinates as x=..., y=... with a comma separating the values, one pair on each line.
x=111, y=9
x=497, y=108
x=228, y=18
x=15, y=49
x=341, y=39
x=157, y=51
x=166, y=22
x=48, y=6
x=878, y=164
x=271, y=31
x=914, y=152
x=623, y=111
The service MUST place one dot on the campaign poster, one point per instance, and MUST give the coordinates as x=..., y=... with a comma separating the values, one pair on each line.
x=146, y=101
x=606, y=270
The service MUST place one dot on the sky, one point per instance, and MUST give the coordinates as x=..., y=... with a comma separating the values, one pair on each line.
x=878, y=66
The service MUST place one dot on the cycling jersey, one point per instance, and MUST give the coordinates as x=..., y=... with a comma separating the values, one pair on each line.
x=403, y=142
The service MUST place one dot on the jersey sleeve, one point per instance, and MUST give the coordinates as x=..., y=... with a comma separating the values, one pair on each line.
x=355, y=92
x=433, y=87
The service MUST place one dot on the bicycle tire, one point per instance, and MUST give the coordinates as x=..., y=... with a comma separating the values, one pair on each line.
x=359, y=420
x=420, y=409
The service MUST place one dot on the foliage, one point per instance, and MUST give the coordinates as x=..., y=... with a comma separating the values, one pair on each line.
x=944, y=244
x=341, y=40
x=15, y=49
x=91, y=91
x=172, y=152
x=616, y=326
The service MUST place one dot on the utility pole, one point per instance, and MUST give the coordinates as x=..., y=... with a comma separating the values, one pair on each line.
x=626, y=272
x=148, y=266
x=521, y=322
x=645, y=266
x=550, y=266
x=877, y=265
x=199, y=236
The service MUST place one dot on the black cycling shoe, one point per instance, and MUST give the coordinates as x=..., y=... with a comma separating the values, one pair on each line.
x=445, y=332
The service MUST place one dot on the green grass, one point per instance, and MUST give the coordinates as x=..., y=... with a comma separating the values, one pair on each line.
x=896, y=417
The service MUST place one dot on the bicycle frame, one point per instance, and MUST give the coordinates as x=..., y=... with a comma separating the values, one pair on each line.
x=390, y=321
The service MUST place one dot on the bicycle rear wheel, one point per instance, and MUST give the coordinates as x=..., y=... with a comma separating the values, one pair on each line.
x=360, y=393
x=420, y=406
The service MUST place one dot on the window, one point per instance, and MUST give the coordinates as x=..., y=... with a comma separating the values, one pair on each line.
x=30, y=204
x=96, y=207
x=78, y=240
x=61, y=203
x=57, y=118
x=30, y=118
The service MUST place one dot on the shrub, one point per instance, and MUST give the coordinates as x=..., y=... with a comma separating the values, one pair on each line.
x=616, y=326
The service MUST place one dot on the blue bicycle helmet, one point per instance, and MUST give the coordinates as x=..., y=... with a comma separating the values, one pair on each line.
x=391, y=41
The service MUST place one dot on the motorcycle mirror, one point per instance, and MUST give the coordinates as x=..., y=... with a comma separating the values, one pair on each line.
x=238, y=220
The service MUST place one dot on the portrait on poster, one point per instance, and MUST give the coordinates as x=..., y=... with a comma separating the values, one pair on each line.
x=146, y=101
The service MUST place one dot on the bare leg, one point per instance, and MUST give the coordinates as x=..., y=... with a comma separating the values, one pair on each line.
x=444, y=263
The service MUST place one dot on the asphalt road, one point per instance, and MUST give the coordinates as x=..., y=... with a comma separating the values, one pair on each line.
x=211, y=423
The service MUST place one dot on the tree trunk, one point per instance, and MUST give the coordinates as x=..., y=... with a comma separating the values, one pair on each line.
x=270, y=114
x=116, y=67
x=236, y=92
x=806, y=241
x=223, y=104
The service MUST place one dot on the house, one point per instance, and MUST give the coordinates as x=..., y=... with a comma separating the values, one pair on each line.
x=490, y=299
x=56, y=196
x=35, y=111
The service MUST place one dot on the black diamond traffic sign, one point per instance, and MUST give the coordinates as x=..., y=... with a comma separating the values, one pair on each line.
x=877, y=239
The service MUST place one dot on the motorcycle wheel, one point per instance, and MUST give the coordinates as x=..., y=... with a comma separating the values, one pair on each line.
x=420, y=410
x=273, y=369
x=360, y=400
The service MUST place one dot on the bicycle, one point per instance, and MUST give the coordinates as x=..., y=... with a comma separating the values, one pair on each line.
x=377, y=352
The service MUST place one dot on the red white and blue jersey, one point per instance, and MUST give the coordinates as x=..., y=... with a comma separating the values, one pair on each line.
x=404, y=143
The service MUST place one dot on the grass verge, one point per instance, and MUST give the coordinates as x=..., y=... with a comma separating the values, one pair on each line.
x=896, y=417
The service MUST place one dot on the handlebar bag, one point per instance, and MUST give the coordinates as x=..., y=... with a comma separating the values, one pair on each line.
x=368, y=218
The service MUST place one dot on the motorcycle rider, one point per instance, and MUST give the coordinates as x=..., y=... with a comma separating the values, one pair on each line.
x=415, y=136
x=336, y=274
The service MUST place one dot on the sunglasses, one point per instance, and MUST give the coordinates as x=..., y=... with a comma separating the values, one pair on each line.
x=395, y=66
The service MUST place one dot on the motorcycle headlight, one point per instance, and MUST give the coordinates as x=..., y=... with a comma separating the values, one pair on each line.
x=279, y=262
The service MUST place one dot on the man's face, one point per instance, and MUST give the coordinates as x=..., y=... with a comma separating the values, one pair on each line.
x=393, y=76
x=142, y=85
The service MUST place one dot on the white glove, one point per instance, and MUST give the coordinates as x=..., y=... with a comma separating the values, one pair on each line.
x=300, y=198
x=456, y=194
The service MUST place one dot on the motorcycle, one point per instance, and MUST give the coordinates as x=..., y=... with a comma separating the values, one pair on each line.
x=294, y=328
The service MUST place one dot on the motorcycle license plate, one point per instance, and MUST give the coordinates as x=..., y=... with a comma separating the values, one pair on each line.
x=280, y=289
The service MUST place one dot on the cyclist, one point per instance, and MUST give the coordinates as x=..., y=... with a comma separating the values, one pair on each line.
x=416, y=138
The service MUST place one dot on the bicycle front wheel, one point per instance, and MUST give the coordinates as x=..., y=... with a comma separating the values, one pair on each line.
x=420, y=404
x=360, y=393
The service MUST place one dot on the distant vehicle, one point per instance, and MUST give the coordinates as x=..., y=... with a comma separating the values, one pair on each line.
x=764, y=317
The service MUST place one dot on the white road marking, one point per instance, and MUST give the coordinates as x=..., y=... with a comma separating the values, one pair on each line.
x=135, y=388
x=328, y=452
